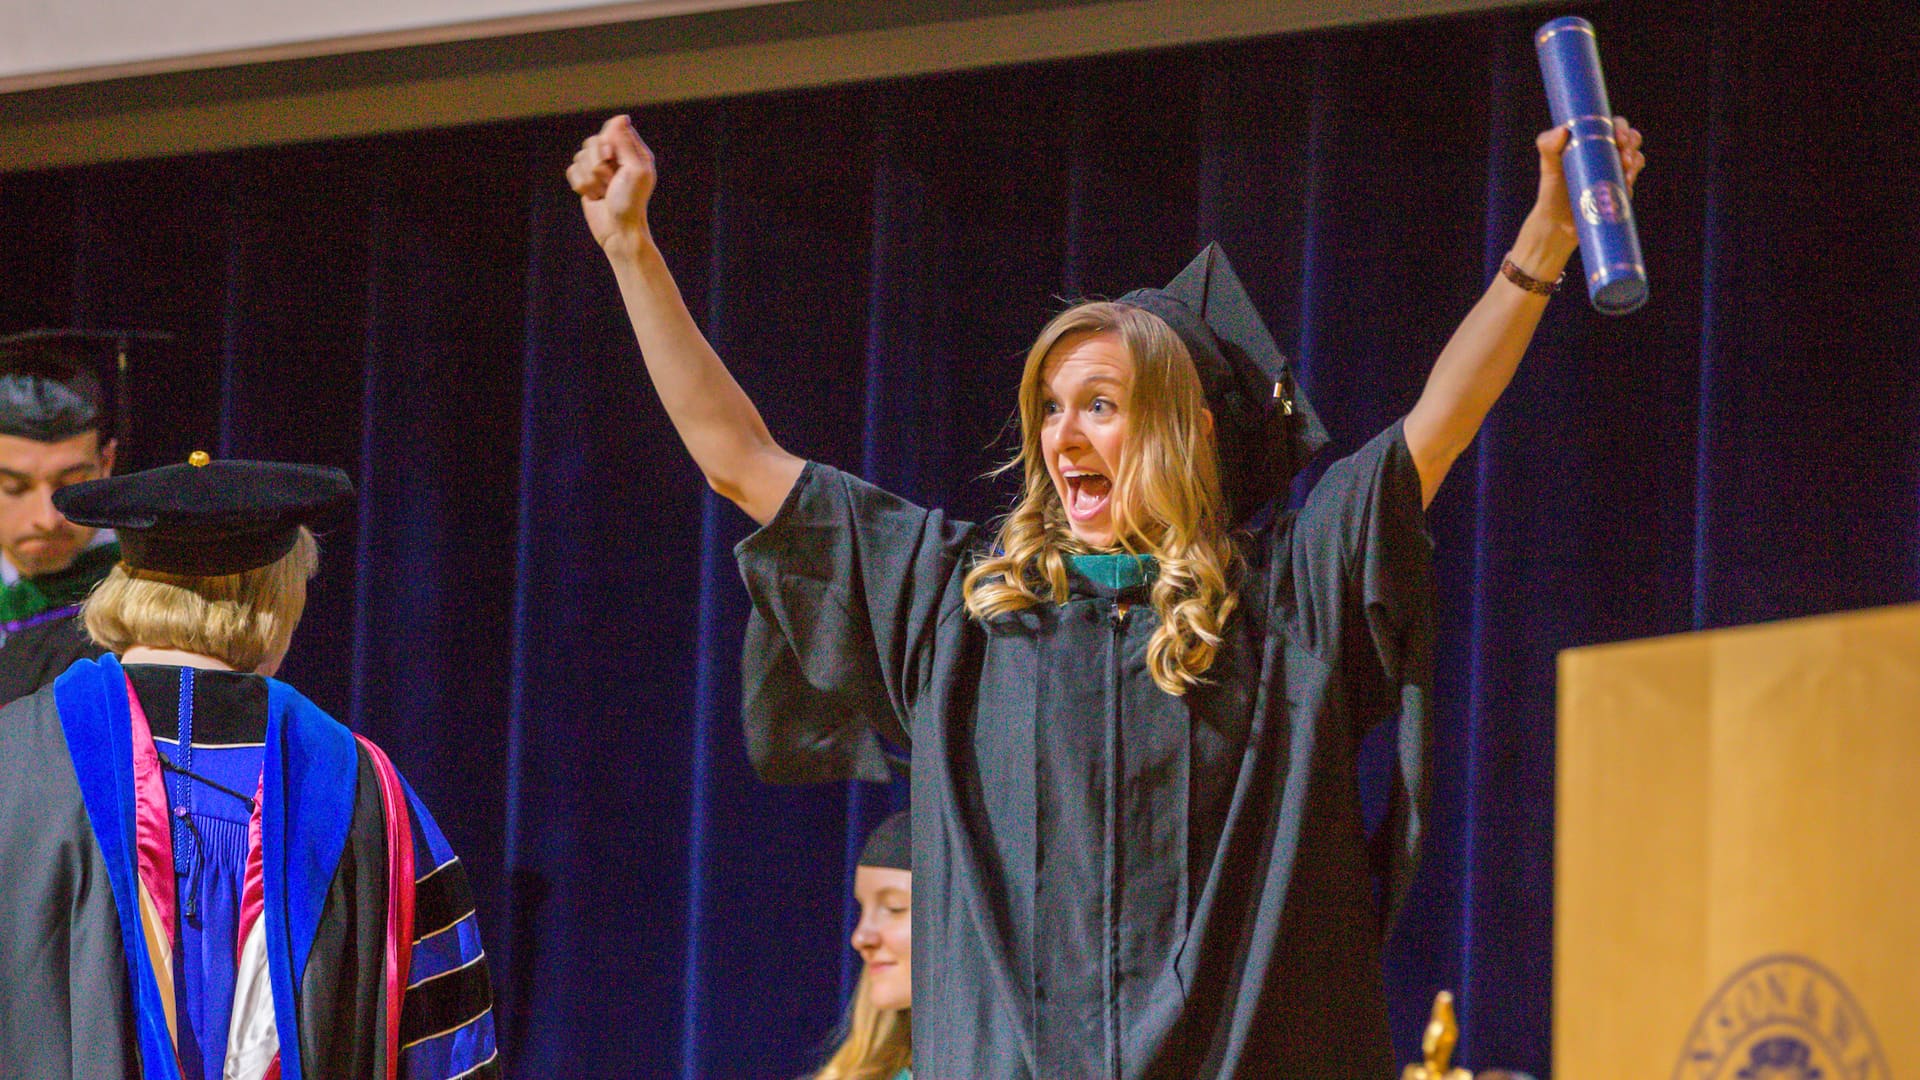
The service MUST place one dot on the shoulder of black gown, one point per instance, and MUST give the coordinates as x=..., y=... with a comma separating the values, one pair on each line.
x=854, y=591
x=34, y=657
x=1358, y=547
x=58, y=944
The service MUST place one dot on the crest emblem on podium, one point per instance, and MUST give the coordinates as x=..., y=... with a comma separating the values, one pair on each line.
x=1782, y=1017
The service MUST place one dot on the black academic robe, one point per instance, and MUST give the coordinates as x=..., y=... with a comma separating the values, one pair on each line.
x=34, y=657
x=1111, y=881
x=36, y=649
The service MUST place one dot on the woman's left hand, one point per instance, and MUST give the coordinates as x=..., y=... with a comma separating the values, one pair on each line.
x=1480, y=358
x=1552, y=204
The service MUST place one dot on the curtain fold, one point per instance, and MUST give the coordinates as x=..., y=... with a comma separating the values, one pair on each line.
x=535, y=607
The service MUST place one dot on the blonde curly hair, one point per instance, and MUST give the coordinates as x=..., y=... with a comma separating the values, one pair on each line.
x=1167, y=500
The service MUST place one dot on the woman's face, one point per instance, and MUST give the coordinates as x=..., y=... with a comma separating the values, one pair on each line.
x=1085, y=386
x=884, y=936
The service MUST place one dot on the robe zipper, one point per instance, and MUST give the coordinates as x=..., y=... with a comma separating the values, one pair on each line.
x=1118, y=618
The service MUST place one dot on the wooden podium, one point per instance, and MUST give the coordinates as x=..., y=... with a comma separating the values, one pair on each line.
x=1738, y=860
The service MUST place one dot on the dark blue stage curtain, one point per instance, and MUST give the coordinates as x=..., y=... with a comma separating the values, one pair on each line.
x=536, y=608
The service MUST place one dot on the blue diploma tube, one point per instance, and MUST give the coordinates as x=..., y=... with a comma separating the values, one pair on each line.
x=1577, y=94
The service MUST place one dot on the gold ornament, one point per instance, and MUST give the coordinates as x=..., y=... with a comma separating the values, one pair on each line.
x=1437, y=1045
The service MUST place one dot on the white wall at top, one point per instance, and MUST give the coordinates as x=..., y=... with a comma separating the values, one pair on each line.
x=84, y=114
x=42, y=39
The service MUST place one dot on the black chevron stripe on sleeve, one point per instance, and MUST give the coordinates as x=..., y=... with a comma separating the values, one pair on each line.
x=445, y=1002
x=441, y=899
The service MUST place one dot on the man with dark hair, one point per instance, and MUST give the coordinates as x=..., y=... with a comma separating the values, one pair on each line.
x=50, y=437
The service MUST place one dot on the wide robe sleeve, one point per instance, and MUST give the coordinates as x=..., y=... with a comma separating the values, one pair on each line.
x=445, y=1028
x=65, y=1006
x=446, y=1018
x=1362, y=597
x=849, y=586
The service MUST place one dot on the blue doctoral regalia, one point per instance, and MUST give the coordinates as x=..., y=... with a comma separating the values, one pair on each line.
x=323, y=856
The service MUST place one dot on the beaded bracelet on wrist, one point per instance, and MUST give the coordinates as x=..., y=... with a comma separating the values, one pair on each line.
x=1512, y=272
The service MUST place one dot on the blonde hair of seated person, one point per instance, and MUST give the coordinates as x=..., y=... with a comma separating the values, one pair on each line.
x=878, y=1042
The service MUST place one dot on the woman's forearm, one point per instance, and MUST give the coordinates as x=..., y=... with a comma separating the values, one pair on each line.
x=614, y=174
x=714, y=417
x=1479, y=360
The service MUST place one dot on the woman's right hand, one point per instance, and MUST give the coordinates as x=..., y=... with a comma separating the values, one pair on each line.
x=614, y=176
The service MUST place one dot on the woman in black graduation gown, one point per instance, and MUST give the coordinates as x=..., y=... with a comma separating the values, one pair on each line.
x=1137, y=829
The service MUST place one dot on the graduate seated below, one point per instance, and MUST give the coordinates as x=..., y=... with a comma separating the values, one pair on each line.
x=876, y=1038
x=207, y=877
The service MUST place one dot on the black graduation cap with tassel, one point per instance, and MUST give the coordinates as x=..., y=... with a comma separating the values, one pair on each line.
x=1264, y=427
x=50, y=381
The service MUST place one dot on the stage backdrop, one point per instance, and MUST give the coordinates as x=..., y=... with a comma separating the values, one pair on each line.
x=537, y=610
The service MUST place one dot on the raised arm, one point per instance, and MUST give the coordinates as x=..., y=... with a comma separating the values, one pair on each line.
x=1479, y=360
x=614, y=176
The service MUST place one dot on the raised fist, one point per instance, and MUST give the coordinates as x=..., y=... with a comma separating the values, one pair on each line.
x=614, y=176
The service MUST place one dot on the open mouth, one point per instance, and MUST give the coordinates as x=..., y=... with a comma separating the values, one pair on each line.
x=1087, y=493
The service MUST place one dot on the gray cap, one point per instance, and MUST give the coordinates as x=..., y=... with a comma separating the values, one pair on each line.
x=51, y=380
x=890, y=844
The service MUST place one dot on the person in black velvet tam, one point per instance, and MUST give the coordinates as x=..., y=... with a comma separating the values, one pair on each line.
x=1133, y=718
x=50, y=436
x=207, y=877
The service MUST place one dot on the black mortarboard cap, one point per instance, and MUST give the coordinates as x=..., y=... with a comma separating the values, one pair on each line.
x=1265, y=430
x=890, y=844
x=208, y=518
x=50, y=381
